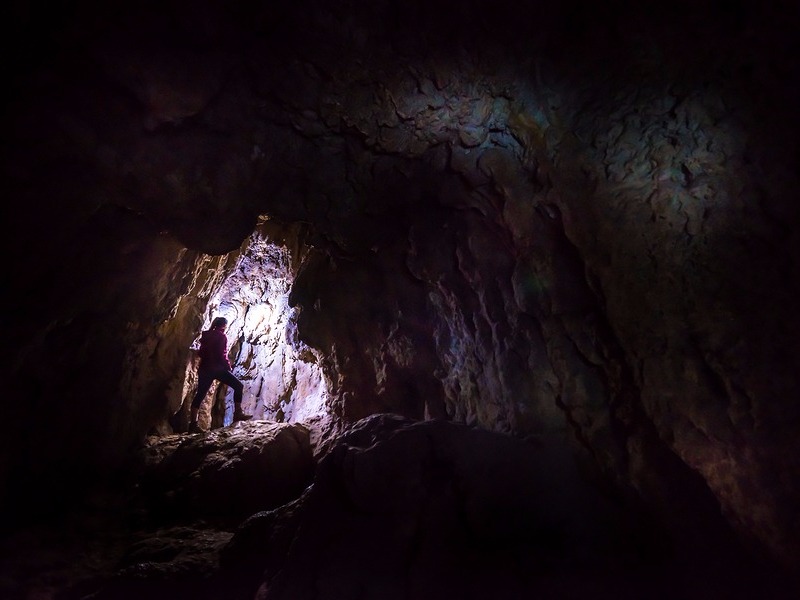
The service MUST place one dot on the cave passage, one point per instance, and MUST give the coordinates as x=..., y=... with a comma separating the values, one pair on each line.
x=282, y=379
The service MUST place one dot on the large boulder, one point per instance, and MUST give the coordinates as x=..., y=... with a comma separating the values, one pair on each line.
x=226, y=474
x=425, y=510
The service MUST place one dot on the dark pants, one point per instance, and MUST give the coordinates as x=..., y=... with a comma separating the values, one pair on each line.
x=206, y=378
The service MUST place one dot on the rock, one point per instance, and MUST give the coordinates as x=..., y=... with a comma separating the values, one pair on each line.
x=226, y=474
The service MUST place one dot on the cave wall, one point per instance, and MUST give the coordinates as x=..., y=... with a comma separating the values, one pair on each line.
x=281, y=375
x=531, y=220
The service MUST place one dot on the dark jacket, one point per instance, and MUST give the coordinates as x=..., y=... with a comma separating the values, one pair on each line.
x=214, y=351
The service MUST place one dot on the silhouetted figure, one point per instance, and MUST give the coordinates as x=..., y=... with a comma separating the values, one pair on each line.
x=214, y=365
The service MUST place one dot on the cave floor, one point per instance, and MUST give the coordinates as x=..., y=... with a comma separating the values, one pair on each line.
x=112, y=545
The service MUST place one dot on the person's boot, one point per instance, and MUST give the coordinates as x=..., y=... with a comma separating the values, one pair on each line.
x=238, y=415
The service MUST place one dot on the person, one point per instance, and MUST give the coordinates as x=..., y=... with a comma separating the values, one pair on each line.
x=214, y=365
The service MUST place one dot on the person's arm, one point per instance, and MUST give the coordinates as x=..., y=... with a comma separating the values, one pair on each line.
x=225, y=352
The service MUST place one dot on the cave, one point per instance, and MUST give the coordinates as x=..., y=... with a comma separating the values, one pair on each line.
x=511, y=286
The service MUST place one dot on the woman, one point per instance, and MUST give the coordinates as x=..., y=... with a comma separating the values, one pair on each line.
x=214, y=365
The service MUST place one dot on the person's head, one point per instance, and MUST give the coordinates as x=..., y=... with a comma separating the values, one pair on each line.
x=219, y=323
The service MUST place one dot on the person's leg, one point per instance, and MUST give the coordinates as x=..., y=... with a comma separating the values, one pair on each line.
x=237, y=386
x=204, y=381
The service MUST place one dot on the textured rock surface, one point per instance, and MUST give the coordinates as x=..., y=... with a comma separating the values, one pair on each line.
x=281, y=375
x=158, y=529
x=397, y=509
x=432, y=510
x=552, y=219
x=231, y=472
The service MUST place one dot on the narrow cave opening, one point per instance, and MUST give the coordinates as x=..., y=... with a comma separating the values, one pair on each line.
x=282, y=377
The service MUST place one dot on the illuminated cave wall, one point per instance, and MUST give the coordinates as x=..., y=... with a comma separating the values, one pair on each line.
x=282, y=378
